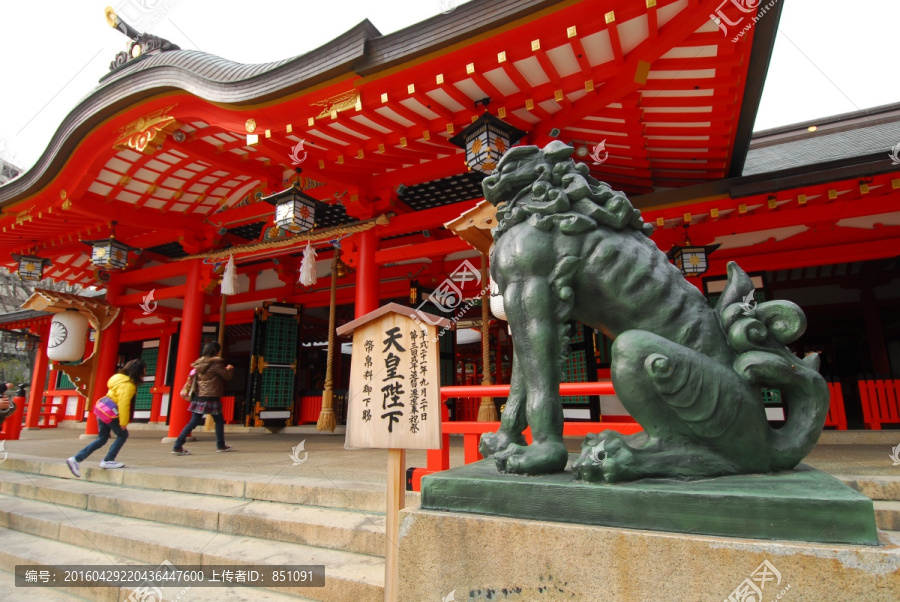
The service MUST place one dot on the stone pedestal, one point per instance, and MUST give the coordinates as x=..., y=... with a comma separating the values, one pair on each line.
x=480, y=557
x=799, y=505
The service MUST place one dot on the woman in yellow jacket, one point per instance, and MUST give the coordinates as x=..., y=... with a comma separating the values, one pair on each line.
x=122, y=387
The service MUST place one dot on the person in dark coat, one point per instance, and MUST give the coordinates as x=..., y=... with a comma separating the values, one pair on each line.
x=7, y=407
x=212, y=373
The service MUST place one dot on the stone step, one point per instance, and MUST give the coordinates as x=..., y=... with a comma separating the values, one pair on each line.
x=885, y=488
x=352, y=531
x=887, y=515
x=349, y=576
x=348, y=495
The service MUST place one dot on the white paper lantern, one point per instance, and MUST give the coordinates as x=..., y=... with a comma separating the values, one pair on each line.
x=68, y=331
x=497, y=302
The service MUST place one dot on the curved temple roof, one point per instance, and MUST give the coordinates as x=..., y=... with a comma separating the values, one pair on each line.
x=161, y=146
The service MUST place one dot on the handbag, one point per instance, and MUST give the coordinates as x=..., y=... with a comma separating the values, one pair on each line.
x=189, y=385
x=106, y=410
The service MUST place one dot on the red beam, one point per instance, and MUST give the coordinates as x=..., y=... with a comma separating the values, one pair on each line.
x=428, y=249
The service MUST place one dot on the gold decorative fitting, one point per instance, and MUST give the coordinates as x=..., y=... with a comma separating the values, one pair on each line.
x=426, y=135
x=801, y=199
x=832, y=194
x=589, y=85
x=340, y=159
x=381, y=148
x=261, y=364
x=535, y=45
x=714, y=213
x=558, y=95
x=501, y=57
x=310, y=122
x=651, y=3
x=289, y=128
x=384, y=97
x=863, y=189
x=439, y=79
x=529, y=105
x=571, y=32
x=268, y=133
x=403, y=142
x=411, y=89
x=501, y=112
x=470, y=68
x=660, y=222
x=250, y=125
x=63, y=194
x=449, y=128
x=610, y=17
x=147, y=133
x=321, y=164
x=66, y=205
x=252, y=364
x=359, y=154
x=773, y=203
x=124, y=180
x=742, y=208
x=337, y=103
x=687, y=218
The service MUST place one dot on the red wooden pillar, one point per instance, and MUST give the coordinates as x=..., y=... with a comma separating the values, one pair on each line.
x=188, y=344
x=367, y=274
x=107, y=357
x=38, y=378
x=162, y=360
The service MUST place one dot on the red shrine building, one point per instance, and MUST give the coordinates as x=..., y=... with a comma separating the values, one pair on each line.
x=176, y=161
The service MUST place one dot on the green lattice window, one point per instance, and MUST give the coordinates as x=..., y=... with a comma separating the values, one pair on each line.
x=150, y=355
x=575, y=370
x=143, y=399
x=277, y=389
x=281, y=339
x=771, y=396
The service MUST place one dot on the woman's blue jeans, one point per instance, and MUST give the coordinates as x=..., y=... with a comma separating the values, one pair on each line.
x=197, y=420
x=103, y=431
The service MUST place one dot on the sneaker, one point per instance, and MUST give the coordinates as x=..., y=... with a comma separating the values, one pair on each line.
x=73, y=466
x=181, y=452
x=111, y=464
x=227, y=448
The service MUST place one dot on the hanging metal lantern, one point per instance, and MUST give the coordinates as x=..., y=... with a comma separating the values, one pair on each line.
x=692, y=260
x=486, y=140
x=295, y=211
x=26, y=342
x=109, y=253
x=31, y=267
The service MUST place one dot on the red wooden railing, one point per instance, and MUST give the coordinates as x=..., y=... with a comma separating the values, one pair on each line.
x=837, y=417
x=880, y=402
x=439, y=459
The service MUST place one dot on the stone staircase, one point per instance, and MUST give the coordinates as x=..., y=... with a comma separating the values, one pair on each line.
x=148, y=516
x=884, y=491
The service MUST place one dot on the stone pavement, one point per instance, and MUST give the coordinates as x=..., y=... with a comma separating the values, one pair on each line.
x=261, y=452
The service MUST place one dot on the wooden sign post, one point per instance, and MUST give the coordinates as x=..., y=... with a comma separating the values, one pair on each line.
x=394, y=401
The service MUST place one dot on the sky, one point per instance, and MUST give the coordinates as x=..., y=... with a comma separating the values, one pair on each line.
x=830, y=57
